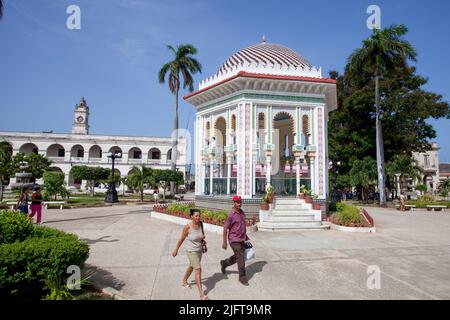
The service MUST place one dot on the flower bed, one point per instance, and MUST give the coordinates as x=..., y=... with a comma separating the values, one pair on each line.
x=351, y=216
x=215, y=217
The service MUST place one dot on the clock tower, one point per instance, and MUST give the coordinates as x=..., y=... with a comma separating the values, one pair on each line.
x=81, y=123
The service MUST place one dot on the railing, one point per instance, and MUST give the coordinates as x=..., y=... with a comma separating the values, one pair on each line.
x=135, y=161
x=154, y=161
x=219, y=185
x=233, y=185
x=76, y=159
x=95, y=159
x=260, y=186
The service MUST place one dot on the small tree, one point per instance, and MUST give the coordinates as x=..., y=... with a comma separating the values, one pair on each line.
x=5, y=165
x=422, y=188
x=37, y=164
x=444, y=188
x=93, y=175
x=54, y=184
x=364, y=174
x=139, y=178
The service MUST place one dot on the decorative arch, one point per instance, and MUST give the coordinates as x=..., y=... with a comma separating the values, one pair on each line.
x=154, y=154
x=306, y=129
x=220, y=130
x=56, y=150
x=285, y=116
x=95, y=152
x=28, y=148
x=77, y=151
x=135, y=153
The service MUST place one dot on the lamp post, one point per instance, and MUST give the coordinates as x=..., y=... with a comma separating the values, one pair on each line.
x=111, y=194
x=334, y=166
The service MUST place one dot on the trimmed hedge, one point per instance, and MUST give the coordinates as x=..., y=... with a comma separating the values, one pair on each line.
x=14, y=226
x=45, y=253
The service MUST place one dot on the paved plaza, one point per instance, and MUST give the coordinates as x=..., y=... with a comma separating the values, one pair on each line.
x=131, y=253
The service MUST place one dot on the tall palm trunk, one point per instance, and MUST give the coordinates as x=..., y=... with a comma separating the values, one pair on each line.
x=1, y=188
x=379, y=142
x=174, y=142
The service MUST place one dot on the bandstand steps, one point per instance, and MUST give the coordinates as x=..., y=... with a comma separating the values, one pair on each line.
x=291, y=214
x=280, y=226
x=293, y=207
x=289, y=219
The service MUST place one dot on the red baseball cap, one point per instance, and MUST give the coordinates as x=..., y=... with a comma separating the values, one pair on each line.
x=237, y=198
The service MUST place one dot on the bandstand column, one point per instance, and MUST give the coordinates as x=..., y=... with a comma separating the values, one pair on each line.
x=211, y=174
x=229, y=163
x=312, y=172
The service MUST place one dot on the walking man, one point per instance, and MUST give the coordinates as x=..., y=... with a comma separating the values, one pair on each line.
x=235, y=230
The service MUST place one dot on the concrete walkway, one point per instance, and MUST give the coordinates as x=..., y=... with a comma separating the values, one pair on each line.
x=131, y=252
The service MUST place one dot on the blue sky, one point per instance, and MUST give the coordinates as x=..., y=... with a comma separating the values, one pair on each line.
x=113, y=60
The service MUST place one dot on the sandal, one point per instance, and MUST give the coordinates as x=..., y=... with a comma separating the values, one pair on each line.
x=186, y=285
x=205, y=297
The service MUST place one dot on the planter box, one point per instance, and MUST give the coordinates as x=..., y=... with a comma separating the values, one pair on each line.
x=183, y=221
x=351, y=229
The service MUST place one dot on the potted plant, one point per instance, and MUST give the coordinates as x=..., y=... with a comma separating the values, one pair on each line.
x=270, y=194
x=264, y=203
x=316, y=205
x=303, y=191
x=308, y=198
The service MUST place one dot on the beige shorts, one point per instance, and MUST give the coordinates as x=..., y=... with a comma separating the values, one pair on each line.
x=195, y=257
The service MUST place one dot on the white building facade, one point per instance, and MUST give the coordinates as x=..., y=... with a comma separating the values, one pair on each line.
x=262, y=120
x=80, y=148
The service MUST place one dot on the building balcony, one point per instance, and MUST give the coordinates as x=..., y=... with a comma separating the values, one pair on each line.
x=76, y=159
x=311, y=148
x=95, y=160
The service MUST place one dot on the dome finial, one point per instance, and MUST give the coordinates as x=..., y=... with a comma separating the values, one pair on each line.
x=263, y=39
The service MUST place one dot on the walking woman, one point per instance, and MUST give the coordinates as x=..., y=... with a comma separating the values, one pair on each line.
x=22, y=204
x=36, y=205
x=193, y=233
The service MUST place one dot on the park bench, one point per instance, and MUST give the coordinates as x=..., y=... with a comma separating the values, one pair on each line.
x=179, y=197
x=436, y=208
x=408, y=207
x=12, y=204
x=60, y=203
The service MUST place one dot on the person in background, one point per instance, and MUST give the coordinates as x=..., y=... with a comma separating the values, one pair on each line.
x=22, y=204
x=36, y=205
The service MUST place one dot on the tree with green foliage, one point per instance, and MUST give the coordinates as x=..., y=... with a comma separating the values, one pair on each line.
x=444, y=188
x=1, y=9
x=54, y=184
x=384, y=50
x=403, y=165
x=139, y=178
x=405, y=108
x=183, y=64
x=5, y=165
x=363, y=175
x=37, y=164
x=92, y=175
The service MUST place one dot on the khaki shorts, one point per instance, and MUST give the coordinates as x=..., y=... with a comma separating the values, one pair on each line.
x=194, y=259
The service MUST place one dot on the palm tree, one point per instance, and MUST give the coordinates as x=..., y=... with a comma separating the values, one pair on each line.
x=381, y=52
x=186, y=65
x=444, y=188
x=139, y=178
x=5, y=164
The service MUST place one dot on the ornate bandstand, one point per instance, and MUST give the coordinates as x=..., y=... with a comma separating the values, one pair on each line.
x=262, y=120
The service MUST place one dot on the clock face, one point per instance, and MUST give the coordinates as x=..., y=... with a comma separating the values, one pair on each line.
x=80, y=119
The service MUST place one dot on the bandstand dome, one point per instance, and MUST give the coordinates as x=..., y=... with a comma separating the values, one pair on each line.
x=266, y=54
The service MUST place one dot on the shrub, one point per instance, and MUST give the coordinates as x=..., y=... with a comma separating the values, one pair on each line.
x=429, y=198
x=14, y=226
x=347, y=214
x=37, y=255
